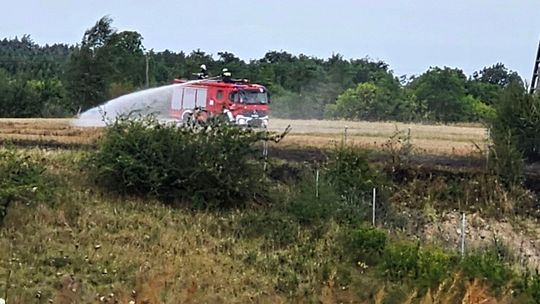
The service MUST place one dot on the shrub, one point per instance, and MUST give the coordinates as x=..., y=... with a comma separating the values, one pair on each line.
x=424, y=267
x=365, y=244
x=529, y=286
x=211, y=165
x=518, y=115
x=400, y=261
x=509, y=164
x=349, y=171
x=309, y=209
x=22, y=179
x=399, y=148
x=488, y=266
x=434, y=266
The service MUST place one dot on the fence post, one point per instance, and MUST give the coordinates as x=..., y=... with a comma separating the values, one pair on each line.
x=345, y=134
x=373, y=206
x=463, y=235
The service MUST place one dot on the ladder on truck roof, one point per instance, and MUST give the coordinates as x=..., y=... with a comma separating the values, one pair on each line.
x=536, y=71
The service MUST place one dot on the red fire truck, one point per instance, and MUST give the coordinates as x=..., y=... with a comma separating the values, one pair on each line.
x=241, y=102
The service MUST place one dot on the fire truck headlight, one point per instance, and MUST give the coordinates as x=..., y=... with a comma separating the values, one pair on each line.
x=264, y=123
x=242, y=121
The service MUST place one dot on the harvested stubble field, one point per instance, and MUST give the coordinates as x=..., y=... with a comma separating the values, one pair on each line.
x=428, y=139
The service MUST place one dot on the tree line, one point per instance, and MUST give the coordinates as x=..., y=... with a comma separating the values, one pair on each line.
x=61, y=80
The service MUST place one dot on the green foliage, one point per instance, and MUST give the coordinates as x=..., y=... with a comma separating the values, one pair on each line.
x=308, y=209
x=518, y=121
x=104, y=57
x=528, y=286
x=349, y=171
x=509, y=164
x=443, y=92
x=496, y=74
x=367, y=102
x=212, y=165
x=22, y=179
x=378, y=99
x=480, y=111
x=489, y=266
x=277, y=228
x=108, y=62
x=434, y=266
x=425, y=267
x=400, y=261
x=365, y=244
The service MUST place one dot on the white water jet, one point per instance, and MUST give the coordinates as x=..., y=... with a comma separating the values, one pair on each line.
x=155, y=101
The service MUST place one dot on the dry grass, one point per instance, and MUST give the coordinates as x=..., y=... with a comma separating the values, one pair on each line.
x=92, y=247
x=47, y=130
x=431, y=139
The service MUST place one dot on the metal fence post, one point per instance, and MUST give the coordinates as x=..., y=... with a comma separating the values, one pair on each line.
x=373, y=205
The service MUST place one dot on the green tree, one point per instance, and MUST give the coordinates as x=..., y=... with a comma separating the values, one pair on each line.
x=443, y=92
x=366, y=101
x=106, y=58
x=497, y=74
x=486, y=85
x=378, y=99
x=89, y=67
x=518, y=121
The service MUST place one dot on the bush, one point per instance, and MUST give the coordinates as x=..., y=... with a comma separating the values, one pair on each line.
x=518, y=115
x=434, y=266
x=529, y=287
x=365, y=244
x=309, y=209
x=400, y=261
x=22, y=179
x=349, y=171
x=488, y=266
x=212, y=165
x=424, y=267
x=509, y=164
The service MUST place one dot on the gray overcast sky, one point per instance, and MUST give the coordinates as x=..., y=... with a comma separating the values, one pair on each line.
x=411, y=35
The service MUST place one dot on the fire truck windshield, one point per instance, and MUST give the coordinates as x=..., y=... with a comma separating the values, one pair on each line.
x=253, y=97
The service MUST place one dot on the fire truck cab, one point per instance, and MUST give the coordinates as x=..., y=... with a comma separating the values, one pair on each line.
x=242, y=102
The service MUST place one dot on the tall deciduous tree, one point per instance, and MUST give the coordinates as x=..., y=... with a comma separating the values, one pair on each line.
x=443, y=92
x=90, y=67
